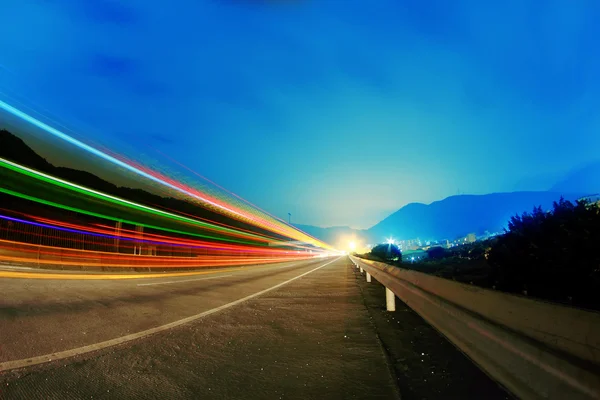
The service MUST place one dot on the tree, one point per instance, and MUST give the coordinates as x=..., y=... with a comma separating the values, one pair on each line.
x=551, y=254
x=387, y=252
x=436, y=253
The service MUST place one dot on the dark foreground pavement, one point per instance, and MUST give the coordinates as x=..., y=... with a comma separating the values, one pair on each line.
x=322, y=336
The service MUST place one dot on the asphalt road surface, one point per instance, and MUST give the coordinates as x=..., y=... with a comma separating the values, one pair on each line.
x=46, y=313
x=296, y=330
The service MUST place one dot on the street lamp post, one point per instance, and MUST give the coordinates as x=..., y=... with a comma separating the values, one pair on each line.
x=290, y=221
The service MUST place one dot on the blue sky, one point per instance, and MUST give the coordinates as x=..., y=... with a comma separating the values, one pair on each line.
x=339, y=112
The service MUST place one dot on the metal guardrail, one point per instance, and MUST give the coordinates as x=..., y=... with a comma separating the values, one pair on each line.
x=535, y=349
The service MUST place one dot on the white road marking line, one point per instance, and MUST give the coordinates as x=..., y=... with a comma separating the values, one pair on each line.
x=4, y=266
x=186, y=280
x=26, y=362
x=212, y=277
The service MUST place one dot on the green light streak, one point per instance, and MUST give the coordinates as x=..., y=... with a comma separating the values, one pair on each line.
x=115, y=200
x=93, y=214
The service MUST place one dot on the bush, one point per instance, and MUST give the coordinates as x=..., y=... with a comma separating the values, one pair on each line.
x=551, y=255
x=436, y=253
x=387, y=252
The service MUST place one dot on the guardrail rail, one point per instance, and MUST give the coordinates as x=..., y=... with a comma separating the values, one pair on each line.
x=535, y=349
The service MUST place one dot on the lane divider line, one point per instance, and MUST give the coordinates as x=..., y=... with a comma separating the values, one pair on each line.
x=85, y=277
x=79, y=276
x=185, y=280
x=26, y=362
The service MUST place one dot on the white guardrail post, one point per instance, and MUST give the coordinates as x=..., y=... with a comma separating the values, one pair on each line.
x=390, y=300
x=535, y=349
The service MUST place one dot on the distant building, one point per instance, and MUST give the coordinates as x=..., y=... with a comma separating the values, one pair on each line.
x=410, y=244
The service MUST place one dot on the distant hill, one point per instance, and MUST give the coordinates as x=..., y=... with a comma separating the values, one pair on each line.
x=584, y=180
x=14, y=149
x=449, y=218
x=458, y=215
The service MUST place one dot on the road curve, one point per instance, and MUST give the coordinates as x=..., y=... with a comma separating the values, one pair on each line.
x=48, y=315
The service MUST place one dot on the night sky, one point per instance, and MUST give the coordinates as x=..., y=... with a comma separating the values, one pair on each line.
x=339, y=112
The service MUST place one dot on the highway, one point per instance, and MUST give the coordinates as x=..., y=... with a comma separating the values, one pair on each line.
x=297, y=330
x=309, y=329
x=45, y=312
x=307, y=338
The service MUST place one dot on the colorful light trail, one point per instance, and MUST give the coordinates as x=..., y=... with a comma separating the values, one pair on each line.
x=50, y=220
x=253, y=214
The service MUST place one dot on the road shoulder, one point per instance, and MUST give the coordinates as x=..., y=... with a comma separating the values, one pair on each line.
x=426, y=364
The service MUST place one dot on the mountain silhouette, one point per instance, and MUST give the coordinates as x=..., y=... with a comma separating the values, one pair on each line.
x=14, y=149
x=450, y=218
x=584, y=180
x=457, y=216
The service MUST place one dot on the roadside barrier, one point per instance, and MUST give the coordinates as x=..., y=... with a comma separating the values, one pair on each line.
x=535, y=349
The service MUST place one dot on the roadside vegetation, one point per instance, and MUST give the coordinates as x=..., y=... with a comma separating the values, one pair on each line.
x=552, y=255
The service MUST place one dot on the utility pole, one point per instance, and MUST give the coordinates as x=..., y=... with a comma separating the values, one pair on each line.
x=290, y=221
